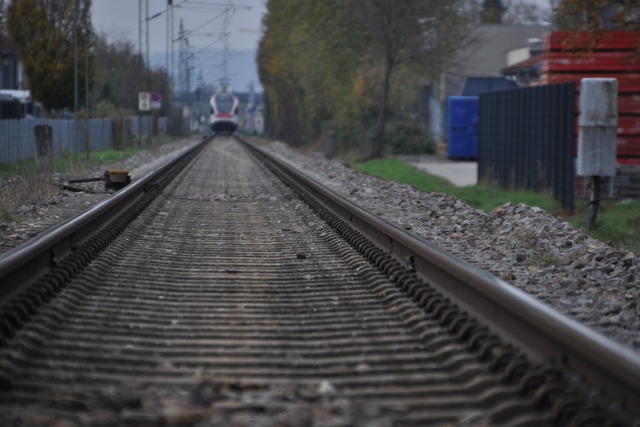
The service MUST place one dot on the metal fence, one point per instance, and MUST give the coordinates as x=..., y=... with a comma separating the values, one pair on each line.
x=526, y=140
x=17, y=137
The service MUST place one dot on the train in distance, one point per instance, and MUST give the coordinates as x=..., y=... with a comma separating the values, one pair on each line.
x=224, y=111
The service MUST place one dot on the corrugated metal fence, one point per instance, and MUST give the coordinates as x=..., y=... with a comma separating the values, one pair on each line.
x=17, y=137
x=527, y=140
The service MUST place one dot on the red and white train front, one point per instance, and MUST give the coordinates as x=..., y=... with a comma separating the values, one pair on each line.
x=224, y=113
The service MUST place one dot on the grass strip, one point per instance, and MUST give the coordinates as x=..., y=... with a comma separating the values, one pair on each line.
x=618, y=221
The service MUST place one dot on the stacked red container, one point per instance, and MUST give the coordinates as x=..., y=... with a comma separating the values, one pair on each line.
x=616, y=54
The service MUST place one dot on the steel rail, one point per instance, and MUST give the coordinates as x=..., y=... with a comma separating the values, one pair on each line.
x=24, y=264
x=544, y=334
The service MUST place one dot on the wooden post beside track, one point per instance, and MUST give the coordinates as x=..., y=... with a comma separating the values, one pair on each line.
x=44, y=150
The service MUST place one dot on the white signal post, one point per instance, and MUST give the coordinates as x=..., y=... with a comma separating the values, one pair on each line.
x=597, y=135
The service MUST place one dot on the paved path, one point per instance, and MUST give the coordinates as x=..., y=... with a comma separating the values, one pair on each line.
x=460, y=173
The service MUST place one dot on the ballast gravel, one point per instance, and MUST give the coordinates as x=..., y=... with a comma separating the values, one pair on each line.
x=525, y=246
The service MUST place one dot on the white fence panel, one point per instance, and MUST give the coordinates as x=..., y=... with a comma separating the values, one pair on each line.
x=17, y=137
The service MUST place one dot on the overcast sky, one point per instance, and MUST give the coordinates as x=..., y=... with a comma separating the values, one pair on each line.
x=204, y=20
x=120, y=18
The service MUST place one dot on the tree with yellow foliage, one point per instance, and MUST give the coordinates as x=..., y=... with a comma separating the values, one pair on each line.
x=43, y=33
x=589, y=20
x=335, y=60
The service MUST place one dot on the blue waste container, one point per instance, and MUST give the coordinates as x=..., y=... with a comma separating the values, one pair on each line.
x=462, y=127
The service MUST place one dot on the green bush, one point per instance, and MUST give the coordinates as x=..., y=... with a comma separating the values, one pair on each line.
x=406, y=138
x=105, y=108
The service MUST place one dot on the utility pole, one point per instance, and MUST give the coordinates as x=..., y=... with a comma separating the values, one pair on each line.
x=183, y=75
x=86, y=59
x=2, y=83
x=146, y=31
x=184, y=61
x=75, y=55
x=75, y=74
x=169, y=39
x=140, y=15
x=142, y=21
x=86, y=13
x=169, y=63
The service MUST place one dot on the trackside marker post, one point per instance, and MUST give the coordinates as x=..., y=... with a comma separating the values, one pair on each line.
x=597, y=128
x=44, y=149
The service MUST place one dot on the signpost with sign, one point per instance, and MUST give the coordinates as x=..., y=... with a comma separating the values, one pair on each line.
x=144, y=104
x=144, y=101
x=156, y=101
x=148, y=101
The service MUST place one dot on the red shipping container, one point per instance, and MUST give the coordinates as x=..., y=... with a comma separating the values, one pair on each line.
x=571, y=58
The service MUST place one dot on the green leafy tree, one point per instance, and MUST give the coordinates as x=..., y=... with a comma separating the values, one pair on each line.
x=45, y=33
x=274, y=66
x=121, y=73
x=319, y=66
x=408, y=33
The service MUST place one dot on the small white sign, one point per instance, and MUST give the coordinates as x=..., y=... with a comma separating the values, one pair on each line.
x=144, y=101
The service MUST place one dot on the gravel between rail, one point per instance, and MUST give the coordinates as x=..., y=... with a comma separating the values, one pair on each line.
x=535, y=251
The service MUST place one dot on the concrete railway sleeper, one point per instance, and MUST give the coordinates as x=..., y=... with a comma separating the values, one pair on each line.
x=37, y=271
x=233, y=300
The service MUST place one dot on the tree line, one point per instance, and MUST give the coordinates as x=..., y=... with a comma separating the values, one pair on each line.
x=69, y=66
x=348, y=66
x=332, y=63
x=352, y=66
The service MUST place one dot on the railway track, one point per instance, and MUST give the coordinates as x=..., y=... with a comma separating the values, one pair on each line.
x=225, y=297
